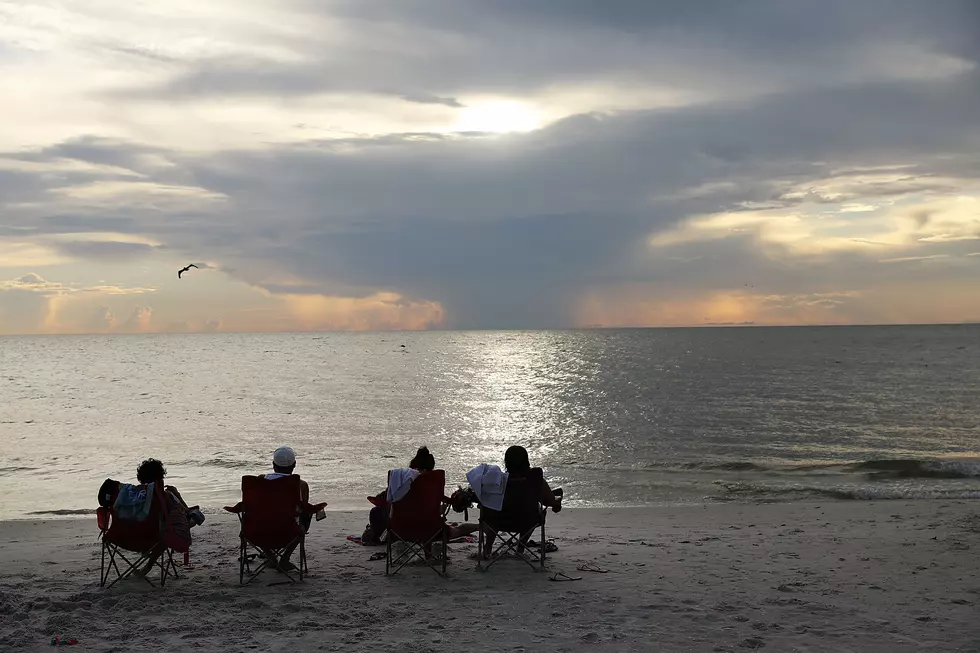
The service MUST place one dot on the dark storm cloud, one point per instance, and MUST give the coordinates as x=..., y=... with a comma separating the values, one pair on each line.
x=504, y=232
x=508, y=231
x=442, y=47
x=425, y=98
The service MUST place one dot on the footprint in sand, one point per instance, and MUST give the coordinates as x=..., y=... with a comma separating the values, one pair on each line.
x=753, y=642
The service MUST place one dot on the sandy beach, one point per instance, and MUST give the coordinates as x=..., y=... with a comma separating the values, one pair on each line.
x=831, y=576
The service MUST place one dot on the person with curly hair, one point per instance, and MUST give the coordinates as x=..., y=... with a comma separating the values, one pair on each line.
x=152, y=470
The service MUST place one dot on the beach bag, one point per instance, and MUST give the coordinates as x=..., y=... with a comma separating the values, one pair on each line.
x=175, y=527
x=108, y=493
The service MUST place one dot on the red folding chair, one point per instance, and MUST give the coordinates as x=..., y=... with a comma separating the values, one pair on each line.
x=514, y=525
x=419, y=520
x=143, y=538
x=270, y=512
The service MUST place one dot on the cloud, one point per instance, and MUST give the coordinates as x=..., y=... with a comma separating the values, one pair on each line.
x=425, y=98
x=376, y=312
x=456, y=47
x=505, y=164
x=24, y=303
x=913, y=259
x=114, y=290
x=103, y=320
x=139, y=321
x=32, y=304
x=30, y=279
x=104, y=249
x=35, y=284
x=948, y=238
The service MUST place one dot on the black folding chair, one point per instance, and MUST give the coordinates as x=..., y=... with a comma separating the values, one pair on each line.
x=514, y=525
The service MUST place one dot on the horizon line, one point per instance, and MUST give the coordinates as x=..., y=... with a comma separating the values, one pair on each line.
x=596, y=327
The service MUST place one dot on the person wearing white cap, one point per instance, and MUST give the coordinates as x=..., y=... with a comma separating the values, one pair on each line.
x=283, y=464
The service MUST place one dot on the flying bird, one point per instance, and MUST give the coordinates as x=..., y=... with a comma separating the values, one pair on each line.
x=180, y=272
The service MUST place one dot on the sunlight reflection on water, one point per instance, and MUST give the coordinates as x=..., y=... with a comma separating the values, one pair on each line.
x=617, y=417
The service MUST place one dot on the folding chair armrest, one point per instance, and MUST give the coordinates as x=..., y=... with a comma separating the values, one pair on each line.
x=238, y=508
x=104, y=517
x=313, y=508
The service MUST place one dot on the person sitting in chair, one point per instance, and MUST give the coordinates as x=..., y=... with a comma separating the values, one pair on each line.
x=518, y=467
x=423, y=462
x=152, y=470
x=283, y=464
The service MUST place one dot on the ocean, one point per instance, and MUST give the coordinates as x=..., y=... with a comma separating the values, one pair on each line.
x=628, y=417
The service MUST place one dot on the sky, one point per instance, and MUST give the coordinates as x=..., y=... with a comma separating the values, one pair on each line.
x=414, y=164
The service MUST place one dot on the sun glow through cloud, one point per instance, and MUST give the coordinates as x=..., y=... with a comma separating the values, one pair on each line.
x=500, y=116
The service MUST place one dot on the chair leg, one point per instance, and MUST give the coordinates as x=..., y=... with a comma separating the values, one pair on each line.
x=173, y=565
x=479, y=556
x=169, y=567
x=103, y=576
x=508, y=542
x=544, y=547
x=242, y=562
x=131, y=567
x=388, y=554
x=445, y=549
x=302, y=558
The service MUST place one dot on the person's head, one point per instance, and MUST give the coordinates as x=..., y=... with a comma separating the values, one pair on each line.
x=516, y=461
x=423, y=460
x=284, y=460
x=150, y=470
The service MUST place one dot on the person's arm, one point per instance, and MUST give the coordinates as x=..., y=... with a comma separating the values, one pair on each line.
x=304, y=492
x=173, y=491
x=548, y=497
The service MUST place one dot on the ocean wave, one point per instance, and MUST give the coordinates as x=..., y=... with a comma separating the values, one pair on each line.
x=762, y=491
x=733, y=466
x=918, y=468
x=65, y=511
x=224, y=464
x=886, y=468
x=703, y=466
x=4, y=471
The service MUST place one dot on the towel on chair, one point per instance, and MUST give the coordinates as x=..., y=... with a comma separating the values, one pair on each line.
x=134, y=501
x=399, y=482
x=489, y=482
